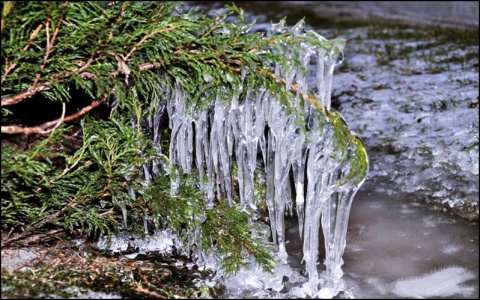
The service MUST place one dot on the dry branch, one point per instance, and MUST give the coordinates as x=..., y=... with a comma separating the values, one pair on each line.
x=44, y=128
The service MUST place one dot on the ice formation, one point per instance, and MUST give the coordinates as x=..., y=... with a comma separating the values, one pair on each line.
x=258, y=134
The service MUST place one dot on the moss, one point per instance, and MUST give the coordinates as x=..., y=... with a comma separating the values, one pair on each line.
x=66, y=271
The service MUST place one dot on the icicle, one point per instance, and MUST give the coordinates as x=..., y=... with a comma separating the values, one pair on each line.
x=234, y=135
x=270, y=195
x=124, y=214
x=298, y=28
x=145, y=222
x=146, y=174
x=320, y=95
x=279, y=27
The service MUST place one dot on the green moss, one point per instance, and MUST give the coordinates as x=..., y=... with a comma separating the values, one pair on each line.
x=72, y=274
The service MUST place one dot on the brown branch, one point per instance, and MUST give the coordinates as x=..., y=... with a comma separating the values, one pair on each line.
x=33, y=35
x=44, y=128
x=87, y=64
x=152, y=294
x=48, y=51
x=294, y=88
x=45, y=237
x=8, y=69
x=15, y=129
x=9, y=100
x=76, y=115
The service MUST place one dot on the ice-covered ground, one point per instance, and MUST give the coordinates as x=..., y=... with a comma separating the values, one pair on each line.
x=414, y=101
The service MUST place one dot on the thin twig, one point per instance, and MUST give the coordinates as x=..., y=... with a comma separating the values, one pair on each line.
x=33, y=35
x=153, y=294
x=50, y=43
x=43, y=129
x=9, y=100
x=45, y=57
x=59, y=120
x=78, y=114
x=40, y=224
x=8, y=69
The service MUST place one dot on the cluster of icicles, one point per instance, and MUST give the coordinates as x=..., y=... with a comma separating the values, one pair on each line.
x=258, y=134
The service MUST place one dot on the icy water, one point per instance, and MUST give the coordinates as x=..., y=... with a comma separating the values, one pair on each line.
x=412, y=94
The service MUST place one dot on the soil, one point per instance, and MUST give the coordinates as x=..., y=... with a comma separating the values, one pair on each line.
x=73, y=268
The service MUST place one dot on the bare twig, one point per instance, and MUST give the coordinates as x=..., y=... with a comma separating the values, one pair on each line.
x=122, y=66
x=44, y=128
x=76, y=115
x=9, y=100
x=152, y=294
x=45, y=57
x=147, y=66
x=50, y=43
x=33, y=35
x=59, y=120
x=8, y=69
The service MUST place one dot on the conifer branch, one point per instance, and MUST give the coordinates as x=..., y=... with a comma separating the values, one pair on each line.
x=146, y=37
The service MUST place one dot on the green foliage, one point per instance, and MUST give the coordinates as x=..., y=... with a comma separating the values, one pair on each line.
x=223, y=228
x=131, y=55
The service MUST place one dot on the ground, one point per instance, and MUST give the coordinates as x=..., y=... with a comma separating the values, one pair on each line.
x=73, y=268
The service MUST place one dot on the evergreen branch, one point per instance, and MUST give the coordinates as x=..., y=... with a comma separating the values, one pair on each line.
x=29, y=229
x=33, y=35
x=294, y=88
x=218, y=20
x=146, y=37
x=50, y=43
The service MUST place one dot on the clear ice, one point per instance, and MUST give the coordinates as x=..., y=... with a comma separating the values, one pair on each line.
x=258, y=134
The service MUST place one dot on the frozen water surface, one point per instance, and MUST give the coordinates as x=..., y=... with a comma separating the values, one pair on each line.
x=399, y=249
